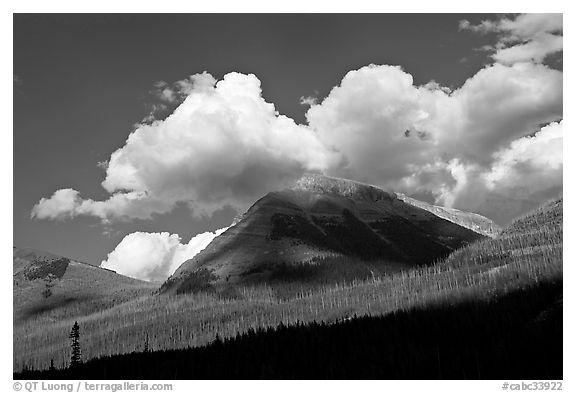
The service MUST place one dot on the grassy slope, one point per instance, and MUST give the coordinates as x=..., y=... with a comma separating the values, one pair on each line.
x=514, y=336
x=529, y=252
x=76, y=289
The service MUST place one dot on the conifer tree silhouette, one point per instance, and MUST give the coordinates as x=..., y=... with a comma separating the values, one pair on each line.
x=76, y=357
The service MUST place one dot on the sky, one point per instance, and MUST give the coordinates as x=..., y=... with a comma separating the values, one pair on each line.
x=138, y=136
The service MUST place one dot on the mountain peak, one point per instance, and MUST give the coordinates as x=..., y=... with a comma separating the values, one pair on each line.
x=325, y=228
x=322, y=184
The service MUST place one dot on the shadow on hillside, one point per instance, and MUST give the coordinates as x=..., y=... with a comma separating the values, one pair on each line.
x=54, y=302
x=516, y=336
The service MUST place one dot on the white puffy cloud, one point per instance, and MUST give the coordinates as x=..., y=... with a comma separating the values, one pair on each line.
x=432, y=140
x=62, y=204
x=386, y=127
x=308, y=100
x=523, y=175
x=533, y=50
x=501, y=103
x=165, y=97
x=380, y=121
x=527, y=37
x=223, y=145
x=541, y=151
x=155, y=256
x=67, y=204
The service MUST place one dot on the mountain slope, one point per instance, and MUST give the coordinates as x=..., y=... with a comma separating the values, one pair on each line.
x=322, y=227
x=476, y=339
x=479, y=307
x=43, y=283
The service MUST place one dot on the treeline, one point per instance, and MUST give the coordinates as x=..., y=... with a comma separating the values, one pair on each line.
x=515, y=336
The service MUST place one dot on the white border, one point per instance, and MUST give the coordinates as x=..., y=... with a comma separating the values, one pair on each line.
x=258, y=6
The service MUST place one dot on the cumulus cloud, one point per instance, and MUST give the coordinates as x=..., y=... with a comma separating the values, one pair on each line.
x=380, y=121
x=223, y=145
x=67, y=204
x=527, y=37
x=155, y=256
x=308, y=101
x=501, y=103
x=165, y=97
x=62, y=204
x=429, y=139
x=523, y=175
x=387, y=127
